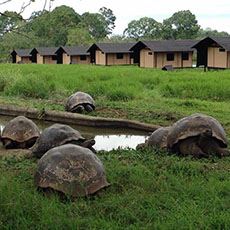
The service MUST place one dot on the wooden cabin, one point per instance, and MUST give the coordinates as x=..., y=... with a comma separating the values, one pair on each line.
x=21, y=56
x=213, y=52
x=73, y=55
x=111, y=53
x=158, y=54
x=44, y=55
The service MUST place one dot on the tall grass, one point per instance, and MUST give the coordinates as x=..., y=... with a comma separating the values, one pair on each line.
x=148, y=95
x=211, y=86
x=31, y=86
x=36, y=81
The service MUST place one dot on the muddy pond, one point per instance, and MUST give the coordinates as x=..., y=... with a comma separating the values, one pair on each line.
x=106, y=138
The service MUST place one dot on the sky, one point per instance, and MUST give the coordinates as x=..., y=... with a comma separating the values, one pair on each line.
x=213, y=14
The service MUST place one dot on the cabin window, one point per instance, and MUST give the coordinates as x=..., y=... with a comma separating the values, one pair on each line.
x=83, y=57
x=170, y=56
x=54, y=58
x=120, y=56
x=150, y=53
x=185, y=56
x=221, y=50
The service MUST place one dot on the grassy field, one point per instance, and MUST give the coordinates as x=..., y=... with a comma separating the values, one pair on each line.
x=150, y=190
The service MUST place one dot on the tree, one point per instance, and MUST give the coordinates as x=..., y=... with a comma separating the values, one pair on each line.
x=109, y=18
x=145, y=27
x=95, y=23
x=100, y=24
x=26, y=4
x=181, y=25
x=117, y=39
x=52, y=27
x=14, y=40
x=209, y=32
x=79, y=36
x=9, y=20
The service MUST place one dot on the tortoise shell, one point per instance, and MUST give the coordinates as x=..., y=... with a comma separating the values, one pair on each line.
x=56, y=135
x=158, y=138
x=20, y=132
x=195, y=125
x=72, y=170
x=79, y=98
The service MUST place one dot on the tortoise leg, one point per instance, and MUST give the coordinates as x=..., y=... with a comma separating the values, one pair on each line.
x=88, y=108
x=211, y=146
x=189, y=146
x=79, y=109
x=9, y=144
x=30, y=142
x=222, y=152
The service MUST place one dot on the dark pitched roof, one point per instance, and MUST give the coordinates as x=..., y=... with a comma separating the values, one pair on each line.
x=22, y=52
x=167, y=45
x=112, y=47
x=45, y=51
x=222, y=41
x=75, y=50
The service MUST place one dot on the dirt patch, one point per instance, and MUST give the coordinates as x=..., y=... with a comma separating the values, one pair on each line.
x=113, y=113
x=15, y=152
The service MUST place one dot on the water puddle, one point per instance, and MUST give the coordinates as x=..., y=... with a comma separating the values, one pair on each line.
x=110, y=142
x=106, y=139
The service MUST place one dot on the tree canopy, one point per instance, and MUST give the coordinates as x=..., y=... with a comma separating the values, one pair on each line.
x=9, y=20
x=64, y=26
x=181, y=25
x=145, y=27
x=209, y=32
x=52, y=27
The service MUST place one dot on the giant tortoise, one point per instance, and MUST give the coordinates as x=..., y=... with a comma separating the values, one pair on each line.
x=198, y=135
x=20, y=132
x=59, y=134
x=72, y=170
x=80, y=101
x=158, y=139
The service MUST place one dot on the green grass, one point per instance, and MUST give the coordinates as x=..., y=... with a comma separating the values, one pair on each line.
x=147, y=95
x=149, y=190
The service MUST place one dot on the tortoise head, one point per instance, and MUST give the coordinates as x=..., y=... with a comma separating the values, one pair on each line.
x=88, y=143
x=141, y=146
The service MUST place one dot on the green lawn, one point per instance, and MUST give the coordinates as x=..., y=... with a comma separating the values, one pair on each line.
x=149, y=190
